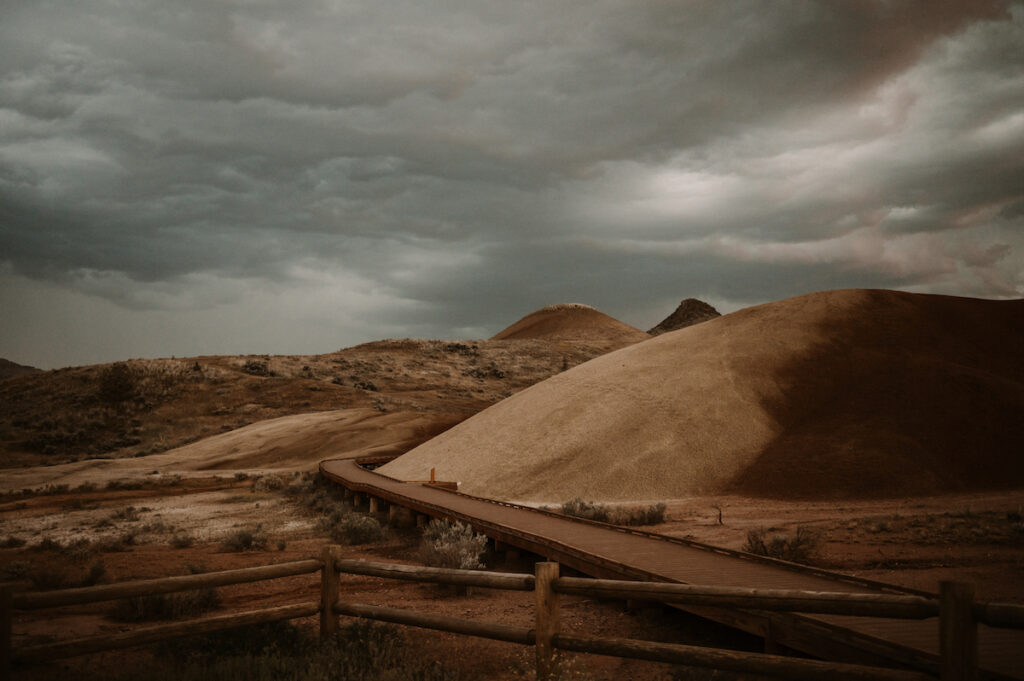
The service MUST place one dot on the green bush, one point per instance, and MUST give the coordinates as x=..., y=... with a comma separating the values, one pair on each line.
x=799, y=548
x=452, y=545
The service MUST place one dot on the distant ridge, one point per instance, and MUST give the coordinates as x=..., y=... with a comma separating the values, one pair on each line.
x=9, y=369
x=691, y=311
x=571, y=321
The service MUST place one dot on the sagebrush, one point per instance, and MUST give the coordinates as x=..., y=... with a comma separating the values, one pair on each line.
x=799, y=547
x=452, y=545
x=616, y=515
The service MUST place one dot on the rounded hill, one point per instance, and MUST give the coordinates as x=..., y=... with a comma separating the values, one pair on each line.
x=571, y=321
x=854, y=393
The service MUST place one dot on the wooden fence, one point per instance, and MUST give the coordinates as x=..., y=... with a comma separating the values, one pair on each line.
x=958, y=616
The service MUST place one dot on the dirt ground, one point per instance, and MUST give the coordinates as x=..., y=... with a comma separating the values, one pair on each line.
x=913, y=542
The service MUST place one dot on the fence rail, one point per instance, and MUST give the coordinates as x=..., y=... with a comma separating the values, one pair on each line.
x=957, y=613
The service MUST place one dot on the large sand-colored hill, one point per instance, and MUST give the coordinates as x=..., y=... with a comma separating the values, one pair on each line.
x=829, y=395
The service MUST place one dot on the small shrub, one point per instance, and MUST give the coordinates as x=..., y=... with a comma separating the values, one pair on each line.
x=17, y=569
x=117, y=383
x=356, y=528
x=797, y=549
x=166, y=606
x=96, y=573
x=118, y=544
x=362, y=651
x=268, y=483
x=128, y=513
x=124, y=484
x=47, y=544
x=452, y=545
x=255, y=367
x=246, y=539
x=49, y=577
x=586, y=509
x=182, y=541
x=589, y=510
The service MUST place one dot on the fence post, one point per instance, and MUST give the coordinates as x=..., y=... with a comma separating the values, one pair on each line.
x=329, y=579
x=547, y=619
x=6, y=617
x=958, y=632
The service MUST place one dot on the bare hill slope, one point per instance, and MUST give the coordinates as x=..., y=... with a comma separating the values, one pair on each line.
x=146, y=406
x=835, y=394
x=572, y=321
x=283, y=444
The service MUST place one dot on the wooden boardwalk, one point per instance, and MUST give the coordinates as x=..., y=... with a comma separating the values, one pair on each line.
x=603, y=551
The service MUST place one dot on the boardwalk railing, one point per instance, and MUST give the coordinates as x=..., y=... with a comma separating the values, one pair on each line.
x=958, y=616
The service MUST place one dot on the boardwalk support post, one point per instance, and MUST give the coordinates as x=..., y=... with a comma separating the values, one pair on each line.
x=6, y=618
x=547, y=619
x=329, y=579
x=958, y=632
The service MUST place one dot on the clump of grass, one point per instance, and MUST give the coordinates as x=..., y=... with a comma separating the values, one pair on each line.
x=452, y=545
x=246, y=539
x=589, y=510
x=798, y=548
x=170, y=606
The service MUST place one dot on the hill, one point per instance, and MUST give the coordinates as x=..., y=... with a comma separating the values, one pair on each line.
x=572, y=321
x=690, y=311
x=9, y=369
x=143, y=407
x=838, y=394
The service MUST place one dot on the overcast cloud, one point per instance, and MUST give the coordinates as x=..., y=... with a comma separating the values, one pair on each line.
x=230, y=176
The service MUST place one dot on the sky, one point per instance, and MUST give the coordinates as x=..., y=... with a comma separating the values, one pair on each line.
x=260, y=176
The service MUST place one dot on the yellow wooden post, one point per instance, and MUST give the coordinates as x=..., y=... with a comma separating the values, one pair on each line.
x=547, y=619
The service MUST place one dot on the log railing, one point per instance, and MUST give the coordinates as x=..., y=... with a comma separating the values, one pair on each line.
x=958, y=616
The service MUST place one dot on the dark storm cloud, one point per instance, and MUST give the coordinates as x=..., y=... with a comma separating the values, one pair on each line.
x=411, y=168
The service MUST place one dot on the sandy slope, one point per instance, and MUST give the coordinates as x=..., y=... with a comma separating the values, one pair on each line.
x=289, y=443
x=843, y=393
x=571, y=321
